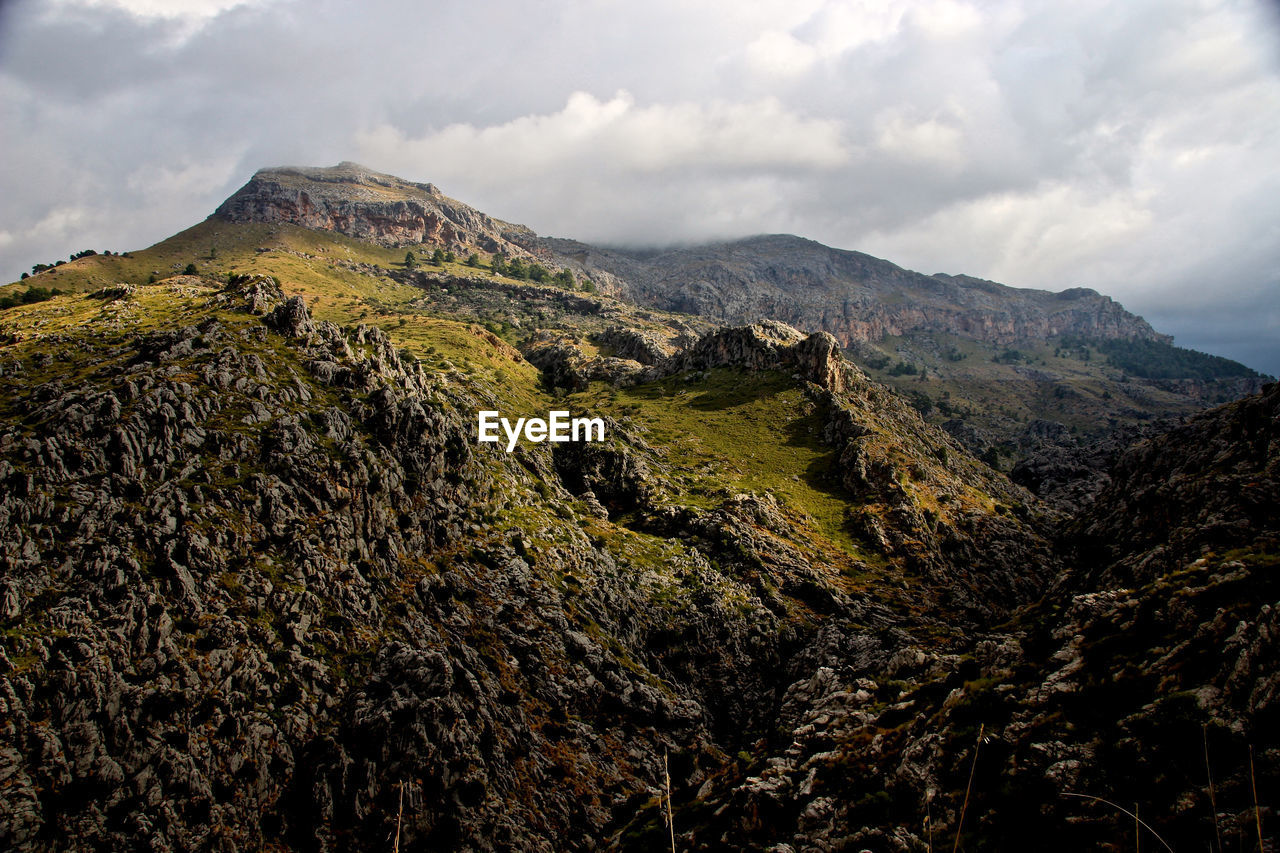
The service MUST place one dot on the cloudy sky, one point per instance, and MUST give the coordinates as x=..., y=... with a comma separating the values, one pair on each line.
x=1133, y=147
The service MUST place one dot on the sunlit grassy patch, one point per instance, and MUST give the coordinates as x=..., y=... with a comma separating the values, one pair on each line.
x=735, y=431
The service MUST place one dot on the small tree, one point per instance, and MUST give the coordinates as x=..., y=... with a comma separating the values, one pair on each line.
x=437, y=257
x=191, y=270
x=499, y=264
x=473, y=260
x=516, y=269
x=409, y=260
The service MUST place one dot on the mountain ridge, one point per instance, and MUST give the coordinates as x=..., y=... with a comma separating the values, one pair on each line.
x=853, y=295
x=779, y=276
x=956, y=345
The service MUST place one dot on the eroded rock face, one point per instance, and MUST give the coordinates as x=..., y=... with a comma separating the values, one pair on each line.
x=768, y=345
x=368, y=205
x=642, y=347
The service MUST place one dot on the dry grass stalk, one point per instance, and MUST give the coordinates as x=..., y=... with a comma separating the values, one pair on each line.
x=666, y=780
x=928, y=821
x=395, y=848
x=1213, y=797
x=1257, y=814
x=1139, y=821
x=982, y=727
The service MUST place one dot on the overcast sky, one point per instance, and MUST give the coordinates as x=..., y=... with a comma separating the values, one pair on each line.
x=1133, y=146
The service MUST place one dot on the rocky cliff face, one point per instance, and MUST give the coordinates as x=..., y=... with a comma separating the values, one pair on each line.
x=854, y=296
x=368, y=205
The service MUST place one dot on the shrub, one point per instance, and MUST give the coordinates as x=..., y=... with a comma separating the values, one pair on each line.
x=29, y=297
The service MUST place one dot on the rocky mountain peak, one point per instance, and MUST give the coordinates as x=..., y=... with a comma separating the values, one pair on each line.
x=357, y=201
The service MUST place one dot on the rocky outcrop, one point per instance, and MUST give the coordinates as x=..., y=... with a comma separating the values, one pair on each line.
x=368, y=205
x=768, y=345
x=639, y=346
x=1208, y=485
x=565, y=365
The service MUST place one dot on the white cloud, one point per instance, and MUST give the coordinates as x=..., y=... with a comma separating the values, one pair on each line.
x=946, y=19
x=929, y=140
x=845, y=25
x=620, y=171
x=780, y=54
x=1044, y=237
x=590, y=136
x=184, y=179
x=171, y=9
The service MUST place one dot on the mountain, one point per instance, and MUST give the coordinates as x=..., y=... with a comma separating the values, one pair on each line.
x=263, y=587
x=359, y=202
x=1000, y=367
x=854, y=296
x=990, y=361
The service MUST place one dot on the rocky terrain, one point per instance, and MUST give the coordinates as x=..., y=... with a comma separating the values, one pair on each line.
x=261, y=588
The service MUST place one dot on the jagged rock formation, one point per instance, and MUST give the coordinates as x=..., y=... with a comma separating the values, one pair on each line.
x=359, y=202
x=765, y=346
